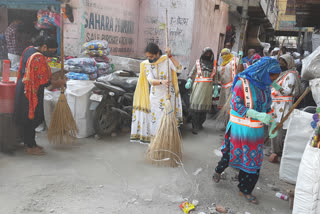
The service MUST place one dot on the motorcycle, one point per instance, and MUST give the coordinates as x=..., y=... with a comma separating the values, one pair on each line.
x=112, y=101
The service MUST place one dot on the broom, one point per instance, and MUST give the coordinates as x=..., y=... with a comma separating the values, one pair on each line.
x=165, y=148
x=63, y=128
x=289, y=112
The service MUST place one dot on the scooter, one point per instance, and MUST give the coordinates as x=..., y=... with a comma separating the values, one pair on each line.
x=112, y=101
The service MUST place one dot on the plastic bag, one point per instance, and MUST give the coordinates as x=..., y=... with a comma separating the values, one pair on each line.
x=311, y=66
x=96, y=45
x=81, y=62
x=104, y=52
x=93, y=76
x=306, y=198
x=298, y=133
x=103, y=65
x=102, y=72
x=77, y=76
x=87, y=69
x=315, y=88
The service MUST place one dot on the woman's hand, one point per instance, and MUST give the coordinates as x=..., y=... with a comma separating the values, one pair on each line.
x=168, y=51
x=165, y=83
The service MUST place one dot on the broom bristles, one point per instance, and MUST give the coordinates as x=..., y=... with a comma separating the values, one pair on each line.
x=223, y=115
x=165, y=148
x=63, y=128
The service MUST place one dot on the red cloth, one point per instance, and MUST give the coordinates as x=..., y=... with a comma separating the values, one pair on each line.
x=37, y=73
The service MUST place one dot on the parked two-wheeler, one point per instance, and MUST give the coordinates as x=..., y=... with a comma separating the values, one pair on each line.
x=112, y=101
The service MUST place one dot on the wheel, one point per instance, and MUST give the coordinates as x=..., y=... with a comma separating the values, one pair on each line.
x=105, y=120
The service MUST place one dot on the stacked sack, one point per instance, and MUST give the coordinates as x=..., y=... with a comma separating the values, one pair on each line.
x=81, y=69
x=99, y=51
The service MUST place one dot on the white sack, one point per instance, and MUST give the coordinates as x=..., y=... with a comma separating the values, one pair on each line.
x=78, y=93
x=306, y=198
x=315, y=88
x=298, y=134
x=311, y=65
x=126, y=64
x=49, y=102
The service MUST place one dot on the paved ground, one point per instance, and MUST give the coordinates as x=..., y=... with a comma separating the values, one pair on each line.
x=111, y=176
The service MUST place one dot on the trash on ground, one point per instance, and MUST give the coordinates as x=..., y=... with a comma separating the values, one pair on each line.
x=273, y=187
x=223, y=176
x=282, y=196
x=221, y=209
x=218, y=153
x=197, y=171
x=195, y=202
x=212, y=210
x=186, y=207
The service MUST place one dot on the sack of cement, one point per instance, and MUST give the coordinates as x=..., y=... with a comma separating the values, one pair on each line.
x=125, y=64
x=311, y=65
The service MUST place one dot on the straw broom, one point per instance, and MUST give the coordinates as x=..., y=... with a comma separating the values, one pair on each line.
x=165, y=148
x=63, y=128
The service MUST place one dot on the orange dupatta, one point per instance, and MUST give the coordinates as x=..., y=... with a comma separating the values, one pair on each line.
x=37, y=73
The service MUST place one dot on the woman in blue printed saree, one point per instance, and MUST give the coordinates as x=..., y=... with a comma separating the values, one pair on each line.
x=250, y=110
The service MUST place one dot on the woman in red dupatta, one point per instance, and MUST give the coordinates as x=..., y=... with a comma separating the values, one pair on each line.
x=33, y=76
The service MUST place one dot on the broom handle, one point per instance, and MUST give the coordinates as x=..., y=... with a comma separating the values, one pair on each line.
x=61, y=43
x=291, y=109
x=280, y=50
x=167, y=45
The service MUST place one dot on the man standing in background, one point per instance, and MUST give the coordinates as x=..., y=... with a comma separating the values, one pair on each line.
x=13, y=44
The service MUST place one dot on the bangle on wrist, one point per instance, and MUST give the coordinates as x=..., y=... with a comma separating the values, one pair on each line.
x=160, y=82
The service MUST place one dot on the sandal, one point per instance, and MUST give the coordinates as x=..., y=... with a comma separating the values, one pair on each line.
x=34, y=151
x=250, y=198
x=39, y=147
x=216, y=177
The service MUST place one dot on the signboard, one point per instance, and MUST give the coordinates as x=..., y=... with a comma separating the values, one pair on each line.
x=289, y=26
x=114, y=21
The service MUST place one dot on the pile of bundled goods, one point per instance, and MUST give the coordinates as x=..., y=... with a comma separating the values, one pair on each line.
x=315, y=124
x=47, y=19
x=81, y=68
x=99, y=51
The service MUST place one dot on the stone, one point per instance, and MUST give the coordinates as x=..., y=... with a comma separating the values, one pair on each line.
x=221, y=209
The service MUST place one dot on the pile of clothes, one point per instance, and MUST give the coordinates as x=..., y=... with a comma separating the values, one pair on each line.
x=81, y=69
x=99, y=51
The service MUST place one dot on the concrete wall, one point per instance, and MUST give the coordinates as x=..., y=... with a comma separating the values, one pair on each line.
x=180, y=17
x=129, y=25
x=208, y=24
x=112, y=20
x=235, y=20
